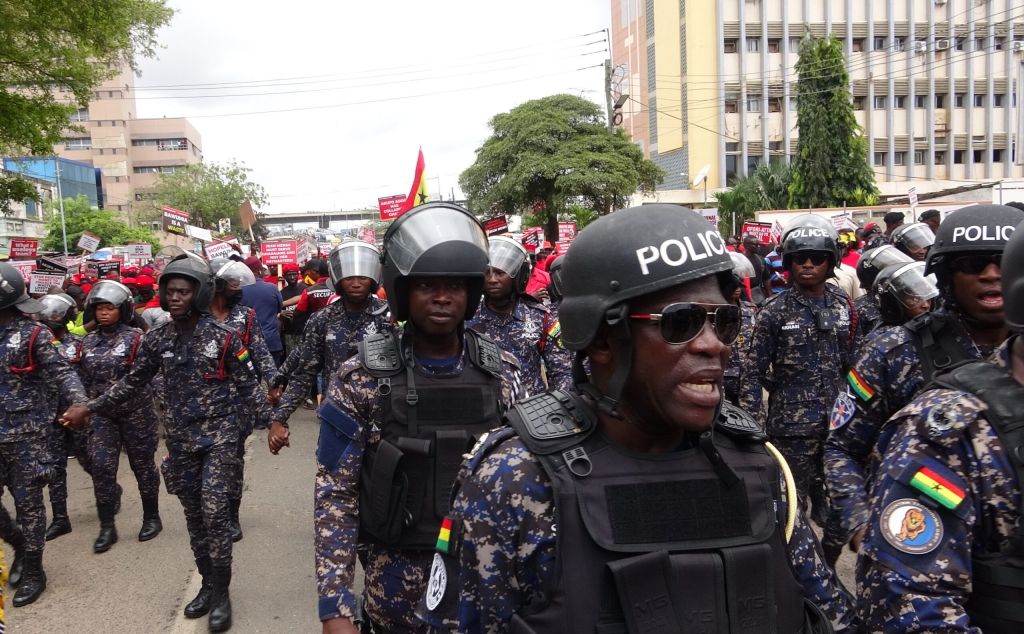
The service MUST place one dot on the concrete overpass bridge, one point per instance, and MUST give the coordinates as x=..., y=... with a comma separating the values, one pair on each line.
x=323, y=219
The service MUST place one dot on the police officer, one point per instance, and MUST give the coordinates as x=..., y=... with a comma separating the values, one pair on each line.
x=58, y=310
x=104, y=356
x=944, y=540
x=30, y=363
x=398, y=417
x=869, y=266
x=555, y=289
x=803, y=343
x=631, y=506
x=522, y=326
x=332, y=335
x=205, y=368
x=895, y=365
x=231, y=275
x=914, y=239
x=744, y=280
x=904, y=292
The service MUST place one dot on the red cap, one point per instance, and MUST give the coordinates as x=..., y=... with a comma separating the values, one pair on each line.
x=86, y=288
x=530, y=247
x=130, y=272
x=112, y=276
x=291, y=268
x=145, y=281
x=870, y=226
x=146, y=270
x=129, y=281
x=547, y=245
x=254, y=263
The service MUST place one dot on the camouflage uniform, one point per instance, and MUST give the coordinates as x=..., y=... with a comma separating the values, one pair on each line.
x=103, y=359
x=329, y=339
x=505, y=545
x=205, y=374
x=885, y=377
x=242, y=319
x=901, y=590
x=869, y=317
x=25, y=461
x=395, y=579
x=532, y=335
x=807, y=365
x=737, y=356
x=64, y=441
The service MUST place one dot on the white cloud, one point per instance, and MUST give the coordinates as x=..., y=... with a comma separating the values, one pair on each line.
x=472, y=60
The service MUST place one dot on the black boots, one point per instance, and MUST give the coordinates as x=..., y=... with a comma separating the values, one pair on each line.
x=108, y=532
x=236, y=525
x=151, y=525
x=13, y=536
x=220, y=602
x=33, y=580
x=60, y=525
x=200, y=606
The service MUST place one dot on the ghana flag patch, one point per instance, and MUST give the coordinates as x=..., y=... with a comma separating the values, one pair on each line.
x=859, y=386
x=444, y=537
x=938, y=488
x=243, y=355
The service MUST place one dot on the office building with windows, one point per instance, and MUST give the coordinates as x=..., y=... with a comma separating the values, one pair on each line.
x=935, y=85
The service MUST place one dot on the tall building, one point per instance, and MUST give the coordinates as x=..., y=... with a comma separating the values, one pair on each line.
x=129, y=151
x=712, y=83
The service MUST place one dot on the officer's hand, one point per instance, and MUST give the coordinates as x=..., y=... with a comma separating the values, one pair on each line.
x=541, y=294
x=340, y=625
x=75, y=417
x=857, y=539
x=274, y=395
x=277, y=438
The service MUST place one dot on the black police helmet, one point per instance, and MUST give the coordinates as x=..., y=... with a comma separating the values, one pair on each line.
x=433, y=240
x=899, y=281
x=974, y=229
x=874, y=261
x=194, y=269
x=1013, y=280
x=110, y=292
x=354, y=258
x=12, y=291
x=630, y=253
x=510, y=257
x=809, y=232
x=555, y=271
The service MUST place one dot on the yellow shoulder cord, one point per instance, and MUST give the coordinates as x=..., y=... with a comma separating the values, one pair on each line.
x=791, y=495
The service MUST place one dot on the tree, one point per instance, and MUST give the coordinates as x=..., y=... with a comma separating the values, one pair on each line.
x=831, y=166
x=209, y=192
x=14, y=188
x=54, y=54
x=80, y=216
x=766, y=188
x=550, y=154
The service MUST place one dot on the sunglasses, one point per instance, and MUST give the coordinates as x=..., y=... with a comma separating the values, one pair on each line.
x=974, y=264
x=681, y=323
x=817, y=259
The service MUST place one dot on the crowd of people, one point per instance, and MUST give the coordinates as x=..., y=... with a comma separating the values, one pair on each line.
x=637, y=436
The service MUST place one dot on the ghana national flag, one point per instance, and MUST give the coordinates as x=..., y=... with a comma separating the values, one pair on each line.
x=938, y=488
x=859, y=386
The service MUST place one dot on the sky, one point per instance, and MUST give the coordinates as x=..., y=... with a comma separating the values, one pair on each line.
x=361, y=86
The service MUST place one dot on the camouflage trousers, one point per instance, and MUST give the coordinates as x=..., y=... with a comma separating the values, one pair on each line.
x=806, y=460
x=9, y=531
x=63, y=442
x=137, y=433
x=25, y=468
x=206, y=475
x=395, y=581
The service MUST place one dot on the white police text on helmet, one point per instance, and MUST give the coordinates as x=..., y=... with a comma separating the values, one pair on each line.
x=807, y=232
x=678, y=252
x=985, y=233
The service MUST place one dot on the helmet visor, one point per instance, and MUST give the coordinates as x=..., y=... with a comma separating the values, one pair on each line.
x=55, y=307
x=741, y=266
x=506, y=255
x=354, y=259
x=108, y=292
x=909, y=282
x=885, y=256
x=422, y=231
x=235, y=273
x=916, y=237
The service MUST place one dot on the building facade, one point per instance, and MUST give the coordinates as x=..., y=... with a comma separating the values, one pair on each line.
x=712, y=83
x=27, y=219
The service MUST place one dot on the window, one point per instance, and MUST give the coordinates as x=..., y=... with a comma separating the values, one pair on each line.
x=729, y=46
x=81, y=115
x=997, y=101
x=899, y=44
x=857, y=45
x=959, y=44
x=730, y=167
x=858, y=103
x=920, y=101
x=731, y=105
x=999, y=43
x=940, y=101
x=775, y=105
x=879, y=158
x=773, y=46
x=899, y=101
x=979, y=101
x=958, y=100
x=752, y=163
x=794, y=44
x=753, y=44
x=775, y=146
x=940, y=158
x=77, y=144
x=958, y=157
x=979, y=44
x=753, y=104
x=977, y=156
x=918, y=157
x=997, y=156
x=732, y=146
x=899, y=158
x=878, y=44
x=154, y=169
x=879, y=101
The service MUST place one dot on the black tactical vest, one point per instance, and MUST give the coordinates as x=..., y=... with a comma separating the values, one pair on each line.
x=690, y=541
x=935, y=343
x=430, y=421
x=997, y=602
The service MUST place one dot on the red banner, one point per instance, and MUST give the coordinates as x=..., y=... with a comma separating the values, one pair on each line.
x=280, y=252
x=390, y=206
x=566, y=231
x=23, y=248
x=533, y=236
x=761, y=230
x=496, y=225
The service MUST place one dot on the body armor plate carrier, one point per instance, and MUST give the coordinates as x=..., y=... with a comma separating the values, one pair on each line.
x=430, y=421
x=689, y=541
x=936, y=345
x=996, y=603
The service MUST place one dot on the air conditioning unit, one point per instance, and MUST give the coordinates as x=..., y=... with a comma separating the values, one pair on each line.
x=920, y=46
x=942, y=45
x=1017, y=46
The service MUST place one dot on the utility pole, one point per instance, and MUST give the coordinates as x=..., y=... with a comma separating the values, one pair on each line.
x=60, y=202
x=608, y=93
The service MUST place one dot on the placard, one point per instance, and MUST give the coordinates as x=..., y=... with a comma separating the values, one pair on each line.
x=532, y=236
x=566, y=231
x=280, y=252
x=138, y=250
x=218, y=250
x=49, y=265
x=24, y=267
x=89, y=242
x=711, y=215
x=175, y=220
x=496, y=225
x=391, y=206
x=561, y=248
x=23, y=248
x=760, y=230
x=41, y=282
x=103, y=269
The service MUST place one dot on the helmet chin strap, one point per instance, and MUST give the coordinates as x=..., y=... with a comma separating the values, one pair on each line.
x=608, y=401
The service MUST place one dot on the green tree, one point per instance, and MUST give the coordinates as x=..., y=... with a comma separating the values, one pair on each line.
x=766, y=188
x=550, y=154
x=831, y=165
x=14, y=188
x=53, y=55
x=209, y=192
x=80, y=216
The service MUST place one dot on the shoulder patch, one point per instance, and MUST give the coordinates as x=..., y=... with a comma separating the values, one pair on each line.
x=942, y=415
x=843, y=411
x=911, y=527
x=936, y=482
x=859, y=386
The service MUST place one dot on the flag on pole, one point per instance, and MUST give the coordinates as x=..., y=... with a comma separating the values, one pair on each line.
x=418, y=194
